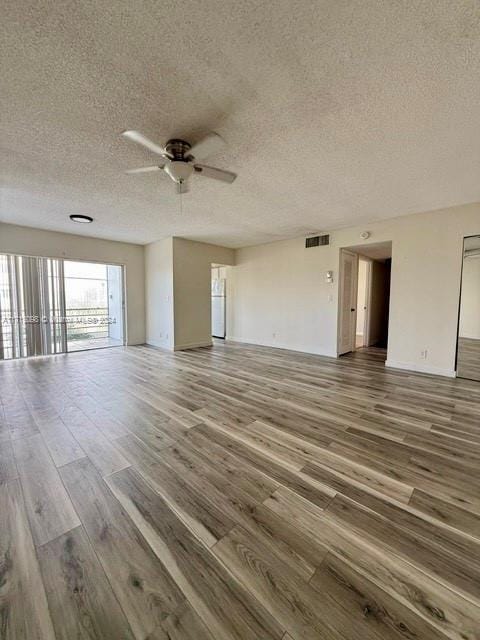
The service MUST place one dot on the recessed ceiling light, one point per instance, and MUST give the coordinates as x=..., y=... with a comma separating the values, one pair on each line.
x=77, y=217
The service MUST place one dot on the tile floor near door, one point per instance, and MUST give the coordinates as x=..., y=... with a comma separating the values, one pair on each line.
x=237, y=493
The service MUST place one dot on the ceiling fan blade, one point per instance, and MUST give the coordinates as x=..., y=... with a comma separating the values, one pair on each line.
x=157, y=167
x=182, y=187
x=139, y=138
x=216, y=174
x=211, y=143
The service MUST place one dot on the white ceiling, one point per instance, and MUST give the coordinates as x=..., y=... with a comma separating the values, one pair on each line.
x=335, y=113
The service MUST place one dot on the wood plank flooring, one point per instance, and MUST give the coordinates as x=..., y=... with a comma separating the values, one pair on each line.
x=237, y=493
x=468, y=358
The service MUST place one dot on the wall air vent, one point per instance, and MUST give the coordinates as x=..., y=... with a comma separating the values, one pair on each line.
x=316, y=241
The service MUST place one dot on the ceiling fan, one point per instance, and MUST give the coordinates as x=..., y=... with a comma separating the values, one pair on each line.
x=180, y=158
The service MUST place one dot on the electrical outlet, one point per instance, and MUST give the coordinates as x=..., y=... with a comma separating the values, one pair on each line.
x=423, y=354
x=274, y=335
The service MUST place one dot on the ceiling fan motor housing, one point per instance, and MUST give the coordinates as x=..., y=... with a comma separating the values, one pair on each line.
x=178, y=149
x=178, y=168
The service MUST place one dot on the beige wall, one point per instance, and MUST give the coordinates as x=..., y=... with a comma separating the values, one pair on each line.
x=187, y=265
x=159, y=293
x=277, y=296
x=50, y=244
x=280, y=297
x=192, y=284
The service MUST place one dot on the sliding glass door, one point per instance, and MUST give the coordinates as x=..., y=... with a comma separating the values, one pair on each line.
x=50, y=306
x=93, y=305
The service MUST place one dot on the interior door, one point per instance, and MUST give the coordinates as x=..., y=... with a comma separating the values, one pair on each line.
x=347, y=318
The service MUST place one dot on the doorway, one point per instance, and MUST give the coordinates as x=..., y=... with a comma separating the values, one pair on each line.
x=363, y=303
x=364, y=298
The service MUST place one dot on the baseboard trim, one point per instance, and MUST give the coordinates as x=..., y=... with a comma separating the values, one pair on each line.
x=420, y=368
x=192, y=345
x=159, y=345
x=287, y=347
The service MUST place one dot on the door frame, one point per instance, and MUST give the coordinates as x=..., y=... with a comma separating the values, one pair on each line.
x=123, y=306
x=341, y=288
x=475, y=235
x=368, y=301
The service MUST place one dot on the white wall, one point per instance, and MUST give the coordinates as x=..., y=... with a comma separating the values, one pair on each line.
x=159, y=293
x=50, y=244
x=470, y=307
x=280, y=297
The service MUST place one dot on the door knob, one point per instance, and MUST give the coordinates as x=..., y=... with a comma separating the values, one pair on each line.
x=352, y=309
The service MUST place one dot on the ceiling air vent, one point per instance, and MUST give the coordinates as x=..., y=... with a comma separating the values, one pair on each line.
x=316, y=241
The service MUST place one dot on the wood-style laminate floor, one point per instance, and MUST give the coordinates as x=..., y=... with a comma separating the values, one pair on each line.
x=237, y=493
x=468, y=358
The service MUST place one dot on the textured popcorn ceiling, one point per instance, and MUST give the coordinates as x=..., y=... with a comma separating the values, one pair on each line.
x=335, y=112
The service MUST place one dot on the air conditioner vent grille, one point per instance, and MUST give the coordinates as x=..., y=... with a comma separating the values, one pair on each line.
x=317, y=241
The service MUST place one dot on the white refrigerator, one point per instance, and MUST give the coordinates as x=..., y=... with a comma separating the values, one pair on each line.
x=218, y=307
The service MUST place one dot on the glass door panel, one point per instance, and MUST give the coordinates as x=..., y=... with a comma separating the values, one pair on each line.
x=94, y=305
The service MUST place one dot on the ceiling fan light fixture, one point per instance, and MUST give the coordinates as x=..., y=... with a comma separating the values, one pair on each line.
x=78, y=217
x=179, y=170
x=180, y=158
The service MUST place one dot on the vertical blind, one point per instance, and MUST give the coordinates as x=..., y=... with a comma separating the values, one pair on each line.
x=32, y=307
